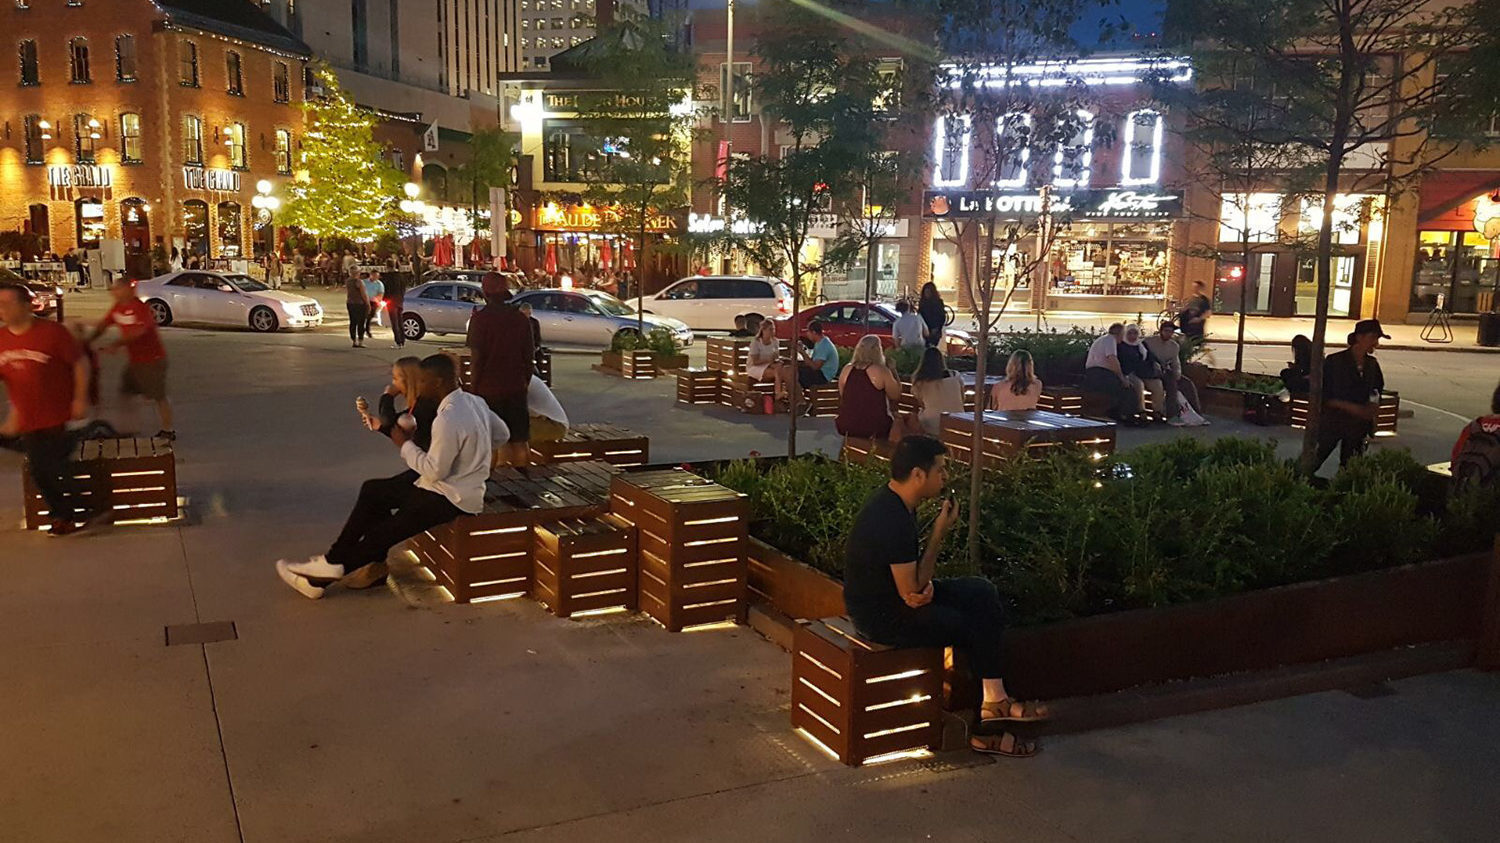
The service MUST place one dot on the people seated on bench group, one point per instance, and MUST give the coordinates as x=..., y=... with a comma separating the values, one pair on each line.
x=1352, y=382
x=936, y=390
x=909, y=331
x=1142, y=371
x=1103, y=375
x=866, y=390
x=502, y=363
x=893, y=599
x=1476, y=454
x=1021, y=389
x=764, y=355
x=816, y=366
x=450, y=482
x=1181, y=405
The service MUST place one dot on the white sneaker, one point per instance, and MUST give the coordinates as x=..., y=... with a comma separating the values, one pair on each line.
x=316, y=568
x=301, y=584
x=1176, y=421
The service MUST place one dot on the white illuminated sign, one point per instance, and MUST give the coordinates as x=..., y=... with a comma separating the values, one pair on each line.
x=1013, y=121
x=79, y=175
x=944, y=175
x=1133, y=124
x=1082, y=169
x=1111, y=71
x=217, y=181
x=710, y=224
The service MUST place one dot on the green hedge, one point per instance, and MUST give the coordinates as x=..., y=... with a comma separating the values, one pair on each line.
x=1162, y=524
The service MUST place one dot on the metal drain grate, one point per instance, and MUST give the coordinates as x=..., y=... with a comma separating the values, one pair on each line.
x=201, y=633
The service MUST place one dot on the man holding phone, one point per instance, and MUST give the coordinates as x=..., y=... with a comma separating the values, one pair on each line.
x=891, y=596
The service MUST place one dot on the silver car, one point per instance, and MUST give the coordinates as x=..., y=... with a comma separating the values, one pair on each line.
x=439, y=307
x=590, y=318
x=226, y=298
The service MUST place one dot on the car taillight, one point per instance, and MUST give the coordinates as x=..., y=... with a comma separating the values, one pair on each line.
x=783, y=306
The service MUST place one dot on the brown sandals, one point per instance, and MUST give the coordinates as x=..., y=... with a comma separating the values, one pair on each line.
x=1005, y=744
x=1013, y=711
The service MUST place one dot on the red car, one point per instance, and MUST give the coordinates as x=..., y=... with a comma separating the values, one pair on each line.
x=844, y=323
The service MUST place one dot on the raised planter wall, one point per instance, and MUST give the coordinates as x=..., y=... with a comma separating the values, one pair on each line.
x=794, y=588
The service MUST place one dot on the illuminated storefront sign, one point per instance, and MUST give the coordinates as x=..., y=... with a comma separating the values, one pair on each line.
x=1078, y=204
x=79, y=175
x=555, y=217
x=217, y=181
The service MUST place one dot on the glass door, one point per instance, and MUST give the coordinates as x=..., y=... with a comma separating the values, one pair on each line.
x=1341, y=299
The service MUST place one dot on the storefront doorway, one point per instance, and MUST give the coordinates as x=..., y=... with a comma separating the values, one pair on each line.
x=135, y=228
x=1343, y=300
x=90, y=217
x=195, y=228
x=39, y=223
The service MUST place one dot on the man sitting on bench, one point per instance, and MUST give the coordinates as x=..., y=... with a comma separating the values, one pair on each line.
x=450, y=483
x=892, y=598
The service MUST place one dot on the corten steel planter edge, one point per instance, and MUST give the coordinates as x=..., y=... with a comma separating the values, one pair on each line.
x=793, y=587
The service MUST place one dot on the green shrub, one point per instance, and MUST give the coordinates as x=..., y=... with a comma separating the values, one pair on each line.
x=1377, y=526
x=625, y=341
x=905, y=361
x=1380, y=466
x=659, y=341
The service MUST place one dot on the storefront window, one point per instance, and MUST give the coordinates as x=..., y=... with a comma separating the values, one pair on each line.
x=946, y=257
x=1257, y=213
x=231, y=228
x=1111, y=259
x=1341, y=299
x=195, y=227
x=1460, y=267
x=90, y=222
x=1348, y=216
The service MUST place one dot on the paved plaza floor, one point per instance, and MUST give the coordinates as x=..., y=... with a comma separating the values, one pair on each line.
x=387, y=715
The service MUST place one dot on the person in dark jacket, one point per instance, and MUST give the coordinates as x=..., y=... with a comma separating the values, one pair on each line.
x=1296, y=376
x=933, y=312
x=1352, y=382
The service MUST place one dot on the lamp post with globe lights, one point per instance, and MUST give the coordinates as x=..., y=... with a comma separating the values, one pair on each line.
x=264, y=201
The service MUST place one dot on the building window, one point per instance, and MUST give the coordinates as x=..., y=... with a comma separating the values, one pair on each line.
x=282, y=82
x=85, y=137
x=359, y=23
x=1349, y=213
x=951, y=136
x=130, y=138
x=234, y=73
x=30, y=73
x=234, y=138
x=736, y=105
x=125, y=58
x=284, y=152
x=36, y=134
x=1013, y=136
x=187, y=72
x=231, y=229
x=192, y=140
x=1255, y=214
x=195, y=227
x=1073, y=164
x=89, y=214
x=1142, y=158
x=78, y=60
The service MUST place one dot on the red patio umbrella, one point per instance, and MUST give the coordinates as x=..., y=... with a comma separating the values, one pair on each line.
x=549, y=263
x=629, y=257
x=606, y=256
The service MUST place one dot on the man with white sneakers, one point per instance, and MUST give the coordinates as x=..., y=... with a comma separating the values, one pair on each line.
x=450, y=483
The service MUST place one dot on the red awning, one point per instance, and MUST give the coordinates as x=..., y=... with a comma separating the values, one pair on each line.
x=1447, y=197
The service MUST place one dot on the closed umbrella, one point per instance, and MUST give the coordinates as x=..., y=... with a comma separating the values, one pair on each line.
x=549, y=263
x=606, y=256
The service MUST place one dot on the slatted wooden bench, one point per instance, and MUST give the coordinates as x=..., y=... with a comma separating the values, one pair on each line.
x=824, y=400
x=1011, y=434
x=544, y=365
x=1067, y=400
x=489, y=556
x=857, y=450
x=1387, y=414
x=585, y=566
x=862, y=702
x=587, y=442
x=745, y=393
x=135, y=478
x=463, y=363
x=699, y=386
x=692, y=538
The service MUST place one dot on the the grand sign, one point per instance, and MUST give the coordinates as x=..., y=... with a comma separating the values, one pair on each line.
x=216, y=181
x=79, y=175
x=1121, y=204
x=585, y=217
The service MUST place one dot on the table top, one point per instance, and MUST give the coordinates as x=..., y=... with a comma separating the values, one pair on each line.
x=1032, y=420
x=554, y=486
x=679, y=486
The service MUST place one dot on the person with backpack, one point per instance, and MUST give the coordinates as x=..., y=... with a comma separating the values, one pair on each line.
x=1476, y=455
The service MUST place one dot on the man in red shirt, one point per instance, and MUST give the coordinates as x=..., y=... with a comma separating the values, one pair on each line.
x=47, y=378
x=502, y=361
x=146, y=366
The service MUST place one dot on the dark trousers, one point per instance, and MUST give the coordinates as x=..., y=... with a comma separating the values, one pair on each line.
x=389, y=511
x=359, y=321
x=1349, y=445
x=49, y=454
x=965, y=613
x=1122, y=399
x=393, y=309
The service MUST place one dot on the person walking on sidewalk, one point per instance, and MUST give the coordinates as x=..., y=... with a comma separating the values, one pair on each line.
x=46, y=376
x=358, y=302
x=146, y=358
x=1352, y=382
x=375, y=289
x=449, y=484
x=502, y=362
x=933, y=312
x=395, y=303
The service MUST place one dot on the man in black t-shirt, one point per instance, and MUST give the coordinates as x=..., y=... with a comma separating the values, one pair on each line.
x=891, y=596
x=1352, y=382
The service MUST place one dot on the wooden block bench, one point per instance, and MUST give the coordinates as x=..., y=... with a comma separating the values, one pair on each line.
x=463, y=362
x=1067, y=400
x=729, y=355
x=692, y=540
x=1031, y=433
x=603, y=442
x=135, y=478
x=862, y=451
x=544, y=365
x=1387, y=414
x=824, y=400
x=969, y=392
x=864, y=702
x=699, y=386
x=745, y=393
x=585, y=566
x=489, y=556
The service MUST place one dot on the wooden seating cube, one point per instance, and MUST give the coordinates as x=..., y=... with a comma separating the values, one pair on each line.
x=544, y=365
x=698, y=386
x=729, y=355
x=135, y=478
x=1066, y=400
x=692, y=539
x=594, y=442
x=1387, y=413
x=745, y=393
x=638, y=364
x=585, y=566
x=862, y=451
x=1025, y=433
x=864, y=702
x=824, y=400
x=463, y=362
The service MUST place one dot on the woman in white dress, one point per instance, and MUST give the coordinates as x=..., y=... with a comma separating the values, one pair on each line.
x=765, y=353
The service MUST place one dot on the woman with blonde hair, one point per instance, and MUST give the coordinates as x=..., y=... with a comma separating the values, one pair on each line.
x=1020, y=390
x=765, y=353
x=866, y=389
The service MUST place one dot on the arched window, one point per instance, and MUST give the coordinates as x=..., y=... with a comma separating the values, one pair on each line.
x=284, y=151
x=192, y=139
x=187, y=57
x=78, y=60
x=435, y=180
x=125, y=58
x=36, y=136
x=234, y=73
x=1141, y=163
x=951, y=138
x=195, y=227
x=234, y=138
x=231, y=229
x=90, y=217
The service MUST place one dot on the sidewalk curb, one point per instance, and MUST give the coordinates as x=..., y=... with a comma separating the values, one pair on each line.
x=1385, y=346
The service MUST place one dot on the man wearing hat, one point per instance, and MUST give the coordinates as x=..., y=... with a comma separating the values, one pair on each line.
x=1352, y=382
x=502, y=360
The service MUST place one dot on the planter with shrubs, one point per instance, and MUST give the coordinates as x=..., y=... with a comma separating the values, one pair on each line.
x=638, y=358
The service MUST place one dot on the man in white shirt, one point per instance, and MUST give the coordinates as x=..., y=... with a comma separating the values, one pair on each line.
x=909, y=331
x=1102, y=374
x=450, y=483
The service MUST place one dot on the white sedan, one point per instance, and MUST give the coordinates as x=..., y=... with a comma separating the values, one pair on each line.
x=223, y=298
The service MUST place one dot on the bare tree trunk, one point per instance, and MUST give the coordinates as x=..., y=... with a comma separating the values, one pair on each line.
x=796, y=384
x=985, y=286
x=640, y=278
x=1239, y=339
x=1311, y=435
x=869, y=282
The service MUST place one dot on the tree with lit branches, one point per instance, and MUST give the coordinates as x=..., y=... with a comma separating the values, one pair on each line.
x=344, y=186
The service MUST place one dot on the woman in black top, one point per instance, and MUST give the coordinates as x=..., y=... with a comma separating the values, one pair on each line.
x=1298, y=372
x=933, y=312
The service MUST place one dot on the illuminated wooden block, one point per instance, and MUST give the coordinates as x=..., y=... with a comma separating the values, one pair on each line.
x=1066, y=400
x=1387, y=414
x=135, y=478
x=594, y=442
x=698, y=386
x=1025, y=433
x=544, y=365
x=857, y=450
x=745, y=393
x=463, y=362
x=638, y=364
x=692, y=539
x=863, y=702
x=824, y=400
x=585, y=565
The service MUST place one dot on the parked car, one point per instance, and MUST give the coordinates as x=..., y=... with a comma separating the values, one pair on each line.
x=591, y=318
x=225, y=298
x=440, y=307
x=471, y=276
x=844, y=323
x=711, y=302
x=46, y=298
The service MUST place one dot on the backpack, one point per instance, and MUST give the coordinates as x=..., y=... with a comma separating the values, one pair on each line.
x=1477, y=461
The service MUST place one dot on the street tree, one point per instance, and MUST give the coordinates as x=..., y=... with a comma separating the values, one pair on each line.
x=642, y=123
x=492, y=159
x=1369, y=94
x=344, y=186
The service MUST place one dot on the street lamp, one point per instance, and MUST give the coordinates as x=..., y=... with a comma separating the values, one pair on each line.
x=411, y=204
x=264, y=201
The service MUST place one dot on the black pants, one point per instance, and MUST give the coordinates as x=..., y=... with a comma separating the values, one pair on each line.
x=49, y=454
x=965, y=613
x=393, y=309
x=359, y=321
x=1349, y=445
x=389, y=511
x=1122, y=399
